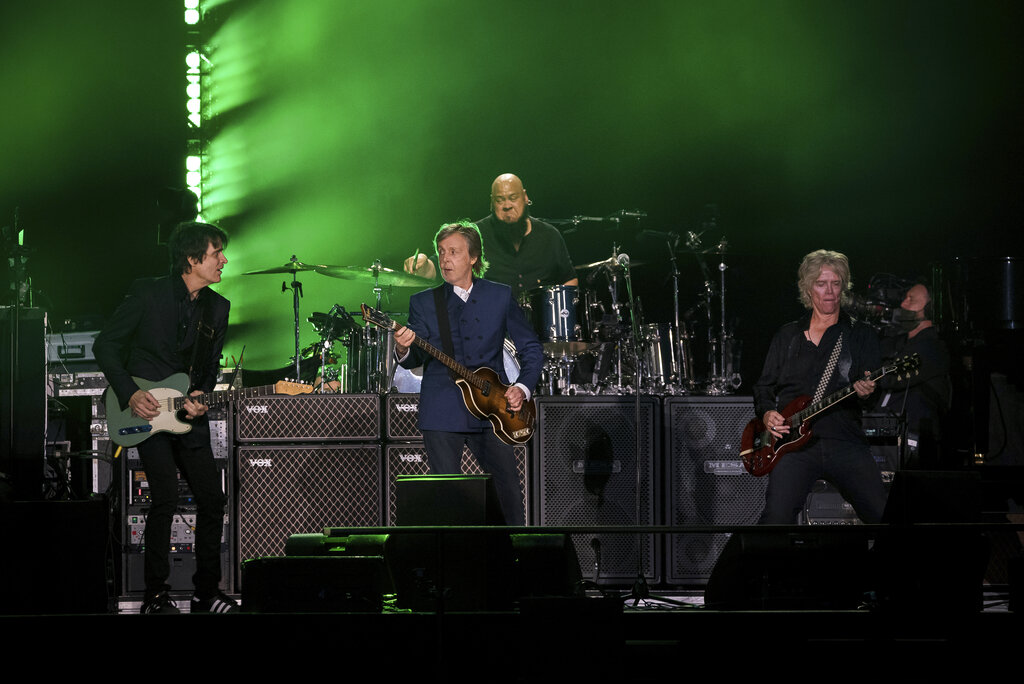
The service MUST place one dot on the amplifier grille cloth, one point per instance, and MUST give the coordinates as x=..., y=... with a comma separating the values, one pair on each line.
x=708, y=485
x=588, y=477
x=308, y=418
x=303, y=489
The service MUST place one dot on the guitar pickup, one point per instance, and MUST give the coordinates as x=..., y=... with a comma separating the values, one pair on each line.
x=135, y=429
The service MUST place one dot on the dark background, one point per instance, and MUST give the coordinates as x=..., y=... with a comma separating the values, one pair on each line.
x=890, y=131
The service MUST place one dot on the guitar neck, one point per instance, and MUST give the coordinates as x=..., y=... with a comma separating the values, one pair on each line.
x=212, y=399
x=460, y=370
x=379, y=319
x=827, y=401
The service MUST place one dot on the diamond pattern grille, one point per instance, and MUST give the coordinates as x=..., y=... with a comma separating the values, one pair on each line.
x=303, y=489
x=308, y=418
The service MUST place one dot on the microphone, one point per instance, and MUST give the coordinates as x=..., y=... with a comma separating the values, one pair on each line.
x=623, y=260
x=634, y=214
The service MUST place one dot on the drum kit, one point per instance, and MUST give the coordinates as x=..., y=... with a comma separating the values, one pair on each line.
x=595, y=338
x=349, y=357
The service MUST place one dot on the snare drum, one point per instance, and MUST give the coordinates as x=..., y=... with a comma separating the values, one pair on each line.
x=553, y=313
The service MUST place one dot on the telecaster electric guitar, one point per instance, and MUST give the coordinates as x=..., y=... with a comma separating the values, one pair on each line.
x=482, y=389
x=761, y=450
x=128, y=430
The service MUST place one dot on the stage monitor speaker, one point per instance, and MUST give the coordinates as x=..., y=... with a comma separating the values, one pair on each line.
x=927, y=567
x=447, y=500
x=308, y=418
x=285, y=490
x=411, y=459
x=587, y=470
x=314, y=584
x=706, y=482
x=772, y=570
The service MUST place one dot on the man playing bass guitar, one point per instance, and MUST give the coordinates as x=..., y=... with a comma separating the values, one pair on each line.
x=480, y=314
x=815, y=356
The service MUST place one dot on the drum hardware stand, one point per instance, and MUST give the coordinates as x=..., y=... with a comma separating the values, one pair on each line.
x=379, y=375
x=723, y=379
x=682, y=372
x=296, y=288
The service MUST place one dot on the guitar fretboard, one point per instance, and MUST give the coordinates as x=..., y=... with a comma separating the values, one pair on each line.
x=460, y=370
x=817, y=407
x=384, y=321
x=223, y=396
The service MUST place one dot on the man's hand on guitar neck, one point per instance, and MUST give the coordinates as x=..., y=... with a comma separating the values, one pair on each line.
x=194, y=409
x=864, y=388
x=404, y=339
x=775, y=423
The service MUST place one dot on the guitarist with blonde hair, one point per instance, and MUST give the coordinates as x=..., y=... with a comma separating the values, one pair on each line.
x=817, y=356
x=478, y=314
x=165, y=326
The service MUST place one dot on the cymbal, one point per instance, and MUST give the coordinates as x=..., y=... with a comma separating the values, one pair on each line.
x=609, y=263
x=290, y=267
x=380, y=275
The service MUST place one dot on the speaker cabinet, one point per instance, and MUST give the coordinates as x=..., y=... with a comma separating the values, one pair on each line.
x=285, y=490
x=401, y=411
x=308, y=418
x=411, y=459
x=23, y=400
x=587, y=475
x=706, y=483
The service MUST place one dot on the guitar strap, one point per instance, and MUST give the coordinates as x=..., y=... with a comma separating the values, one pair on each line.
x=830, y=369
x=201, y=346
x=443, y=326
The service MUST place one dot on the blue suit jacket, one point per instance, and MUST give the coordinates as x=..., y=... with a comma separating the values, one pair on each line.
x=479, y=327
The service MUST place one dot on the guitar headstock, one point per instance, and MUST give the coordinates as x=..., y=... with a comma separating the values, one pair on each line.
x=292, y=388
x=904, y=366
x=378, y=318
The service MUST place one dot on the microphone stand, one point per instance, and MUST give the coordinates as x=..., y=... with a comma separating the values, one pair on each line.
x=640, y=589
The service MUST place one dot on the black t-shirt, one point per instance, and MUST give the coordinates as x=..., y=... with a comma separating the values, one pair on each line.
x=794, y=367
x=541, y=260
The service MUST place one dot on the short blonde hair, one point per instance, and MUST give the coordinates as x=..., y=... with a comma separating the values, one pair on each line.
x=810, y=269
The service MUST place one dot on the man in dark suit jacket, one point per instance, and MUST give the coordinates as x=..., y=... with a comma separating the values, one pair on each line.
x=481, y=314
x=169, y=325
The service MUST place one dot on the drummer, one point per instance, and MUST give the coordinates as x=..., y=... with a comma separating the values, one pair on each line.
x=524, y=253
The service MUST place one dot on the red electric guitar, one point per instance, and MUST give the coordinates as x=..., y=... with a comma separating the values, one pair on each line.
x=761, y=450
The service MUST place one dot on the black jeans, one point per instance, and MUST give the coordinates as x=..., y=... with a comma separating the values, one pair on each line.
x=162, y=456
x=847, y=465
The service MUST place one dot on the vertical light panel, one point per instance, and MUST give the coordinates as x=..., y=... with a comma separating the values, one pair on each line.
x=196, y=66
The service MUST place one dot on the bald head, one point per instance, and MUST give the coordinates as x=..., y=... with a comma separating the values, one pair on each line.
x=508, y=198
